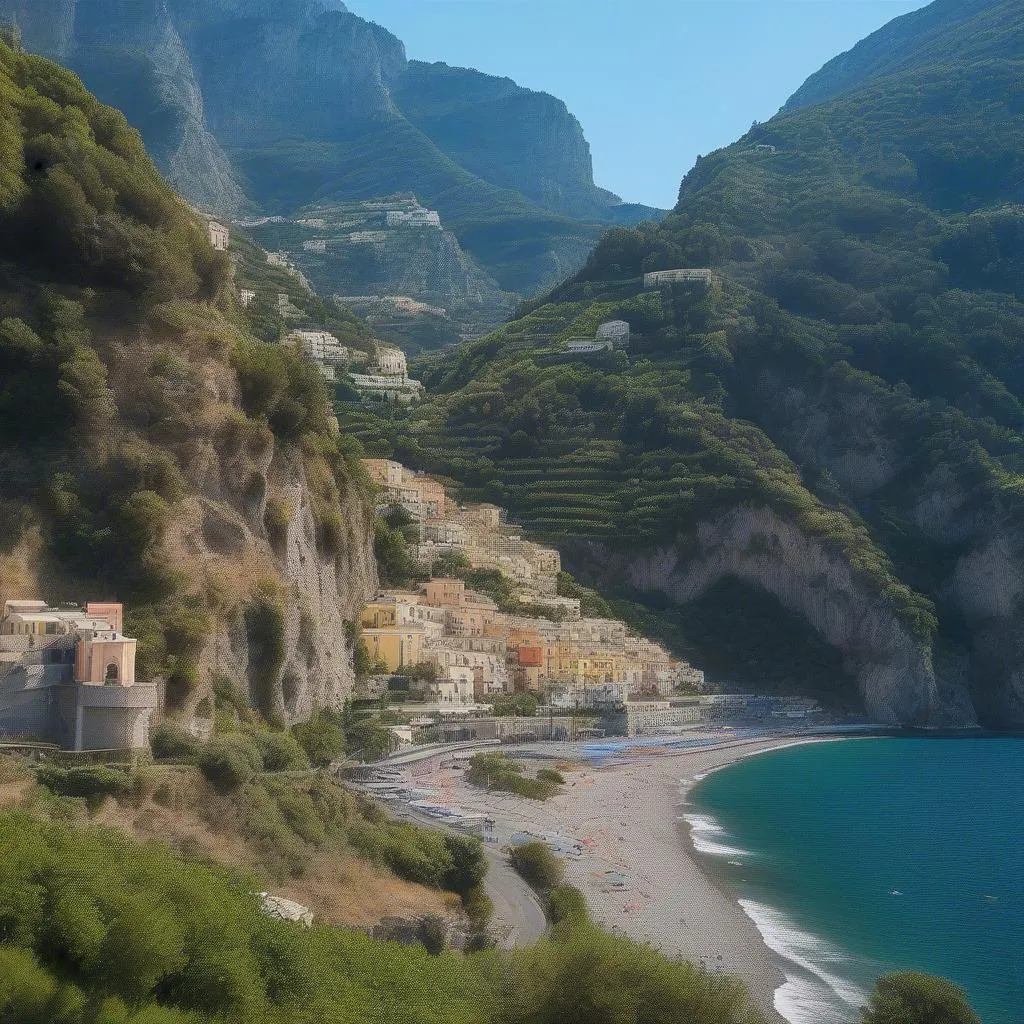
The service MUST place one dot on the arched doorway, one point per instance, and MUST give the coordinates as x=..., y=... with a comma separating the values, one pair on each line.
x=110, y=679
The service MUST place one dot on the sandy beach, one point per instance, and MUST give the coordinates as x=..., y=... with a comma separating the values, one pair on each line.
x=638, y=868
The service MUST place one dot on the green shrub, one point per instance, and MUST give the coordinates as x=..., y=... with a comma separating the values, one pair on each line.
x=478, y=906
x=566, y=904
x=321, y=738
x=496, y=771
x=550, y=775
x=539, y=867
x=280, y=752
x=88, y=781
x=167, y=739
x=909, y=997
x=231, y=761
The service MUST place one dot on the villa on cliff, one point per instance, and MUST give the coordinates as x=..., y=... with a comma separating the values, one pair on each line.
x=67, y=676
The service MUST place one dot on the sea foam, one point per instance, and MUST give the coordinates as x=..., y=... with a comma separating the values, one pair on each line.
x=814, y=993
x=707, y=835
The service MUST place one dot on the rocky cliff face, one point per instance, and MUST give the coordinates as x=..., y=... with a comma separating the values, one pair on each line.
x=895, y=673
x=248, y=534
x=510, y=136
x=318, y=596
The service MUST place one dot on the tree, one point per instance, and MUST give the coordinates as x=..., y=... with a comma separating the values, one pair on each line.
x=538, y=866
x=321, y=738
x=909, y=997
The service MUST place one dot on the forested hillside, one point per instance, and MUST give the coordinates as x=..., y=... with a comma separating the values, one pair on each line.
x=828, y=439
x=152, y=450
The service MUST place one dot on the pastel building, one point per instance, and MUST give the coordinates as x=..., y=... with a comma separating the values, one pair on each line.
x=67, y=676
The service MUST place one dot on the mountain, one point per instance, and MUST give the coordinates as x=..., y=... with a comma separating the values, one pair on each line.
x=152, y=450
x=808, y=467
x=255, y=107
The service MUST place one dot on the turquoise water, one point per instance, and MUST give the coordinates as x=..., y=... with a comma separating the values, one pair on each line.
x=866, y=856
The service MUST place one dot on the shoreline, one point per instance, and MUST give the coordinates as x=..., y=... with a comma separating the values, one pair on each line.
x=640, y=870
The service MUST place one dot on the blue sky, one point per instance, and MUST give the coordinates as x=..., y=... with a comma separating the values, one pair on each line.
x=653, y=82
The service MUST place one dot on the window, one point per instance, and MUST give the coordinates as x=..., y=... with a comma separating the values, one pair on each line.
x=111, y=676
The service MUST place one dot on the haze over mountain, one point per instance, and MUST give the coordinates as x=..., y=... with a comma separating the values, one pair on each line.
x=255, y=107
x=809, y=471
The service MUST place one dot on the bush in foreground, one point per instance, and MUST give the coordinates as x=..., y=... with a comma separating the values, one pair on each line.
x=169, y=740
x=496, y=771
x=567, y=905
x=280, y=752
x=539, y=867
x=912, y=998
x=91, y=782
x=230, y=762
x=321, y=738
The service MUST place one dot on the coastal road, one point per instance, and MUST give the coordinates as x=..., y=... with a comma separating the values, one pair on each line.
x=515, y=903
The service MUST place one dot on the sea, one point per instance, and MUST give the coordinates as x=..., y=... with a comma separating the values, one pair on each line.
x=865, y=856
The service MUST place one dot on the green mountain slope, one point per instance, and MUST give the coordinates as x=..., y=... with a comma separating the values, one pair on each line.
x=836, y=423
x=147, y=439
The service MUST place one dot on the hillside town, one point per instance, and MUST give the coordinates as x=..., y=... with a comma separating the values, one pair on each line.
x=465, y=649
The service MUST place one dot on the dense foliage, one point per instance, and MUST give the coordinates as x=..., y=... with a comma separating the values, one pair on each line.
x=912, y=998
x=95, y=928
x=854, y=365
x=538, y=866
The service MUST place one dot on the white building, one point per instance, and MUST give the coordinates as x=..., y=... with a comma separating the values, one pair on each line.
x=315, y=245
x=246, y=296
x=616, y=332
x=413, y=219
x=391, y=362
x=659, y=277
x=321, y=346
x=586, y=346
x=590, y=698
x=401, y=389
x=220, y=237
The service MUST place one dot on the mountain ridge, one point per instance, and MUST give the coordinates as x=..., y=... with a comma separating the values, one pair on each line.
x=845, y=374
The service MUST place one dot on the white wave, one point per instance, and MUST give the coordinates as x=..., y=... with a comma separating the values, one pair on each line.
x=706, y=832
x=816, y=993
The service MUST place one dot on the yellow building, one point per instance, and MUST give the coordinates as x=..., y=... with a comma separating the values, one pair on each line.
x=379, y=615
x=397, y=646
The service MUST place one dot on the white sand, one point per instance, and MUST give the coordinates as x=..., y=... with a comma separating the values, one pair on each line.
x=631, y=817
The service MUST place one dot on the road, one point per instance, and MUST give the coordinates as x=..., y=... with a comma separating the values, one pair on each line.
x=515, y=904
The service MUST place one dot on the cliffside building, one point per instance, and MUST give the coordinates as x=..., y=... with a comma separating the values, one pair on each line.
x=321, y=346
x=616, y=332
x=391, y=362
x=657, y=278
x=220, y=237
x=413, y=219
x=67, y=676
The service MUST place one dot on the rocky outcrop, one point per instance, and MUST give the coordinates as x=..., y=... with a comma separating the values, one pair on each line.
x=895, y=673
x=283, y=603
